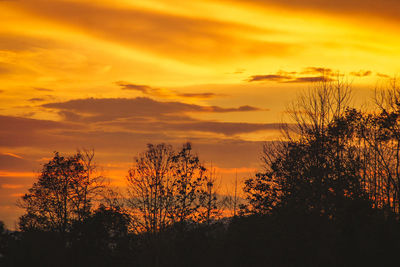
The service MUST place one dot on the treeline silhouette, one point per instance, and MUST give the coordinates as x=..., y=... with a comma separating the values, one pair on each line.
x=328, y=196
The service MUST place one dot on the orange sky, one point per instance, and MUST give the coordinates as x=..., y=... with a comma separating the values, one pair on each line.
x=114, y=75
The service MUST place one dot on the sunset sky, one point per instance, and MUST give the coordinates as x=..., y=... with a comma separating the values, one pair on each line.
x=114, y=75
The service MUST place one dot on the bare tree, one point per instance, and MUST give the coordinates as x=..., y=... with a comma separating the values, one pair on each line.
x=167, y=187
x=150, y=188
x=317, y=167
x=235, y=196
x=232, y=199
x=316, y=108
x=380, y=132
x=210, y=205
x=188, y=178
x=91, y=186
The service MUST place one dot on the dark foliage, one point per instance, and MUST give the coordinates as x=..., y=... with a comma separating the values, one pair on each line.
x=361, y=237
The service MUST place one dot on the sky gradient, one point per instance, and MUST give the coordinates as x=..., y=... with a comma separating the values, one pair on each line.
x=116, y=75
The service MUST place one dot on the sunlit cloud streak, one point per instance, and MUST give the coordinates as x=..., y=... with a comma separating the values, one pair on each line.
x=102, y=109
x=384, y=8
x=319, y=75
x=163, y=93
x=361, y=73
x=161, y=33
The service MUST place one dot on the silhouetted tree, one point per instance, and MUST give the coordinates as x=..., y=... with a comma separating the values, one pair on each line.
x=92, y=184
x=167, y=187
x=188, y=176
x=232, y=200
x=4, y=241
x=210, y=206
x=318, y=168
x=380, y=133
x=102, y=238
x=149, y=184
x=63, y=194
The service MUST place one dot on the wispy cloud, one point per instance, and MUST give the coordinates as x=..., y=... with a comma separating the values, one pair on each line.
x=198, y=95
x=24, y=42
x=36, y=99
x=163, y=93
x=269, y=77
x=12, y=155
x=43, y=89
x=382, y=75
x=137, y=87
x=318, y=74
x=165, y=34
x=317, y=70
x=103, y=109
x=361, y=73
x=11, y=186
x=387, y=9
x=11, y=162
x=310, y=79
